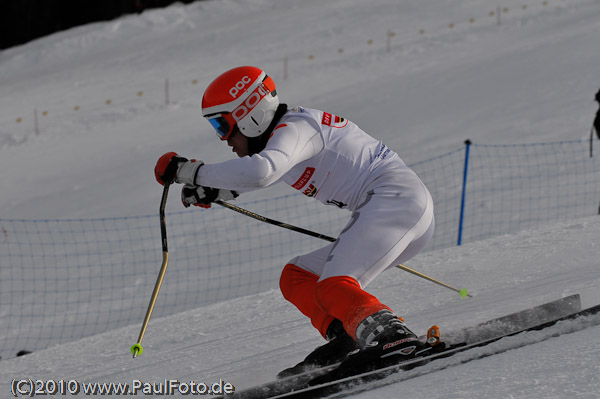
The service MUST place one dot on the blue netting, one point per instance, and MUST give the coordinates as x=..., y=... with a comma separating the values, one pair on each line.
x=61, y=280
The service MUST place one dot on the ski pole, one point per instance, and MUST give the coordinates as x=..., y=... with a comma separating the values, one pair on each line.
x=462, y=291
x=273, y=222
x=137, y=349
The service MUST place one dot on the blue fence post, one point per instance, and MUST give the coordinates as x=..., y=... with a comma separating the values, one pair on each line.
x=464, y=191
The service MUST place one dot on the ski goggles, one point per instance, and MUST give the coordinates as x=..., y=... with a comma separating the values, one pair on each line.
x=224, y=124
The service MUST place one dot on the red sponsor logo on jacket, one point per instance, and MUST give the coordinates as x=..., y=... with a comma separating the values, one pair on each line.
x=333, y=120
x=308, y=172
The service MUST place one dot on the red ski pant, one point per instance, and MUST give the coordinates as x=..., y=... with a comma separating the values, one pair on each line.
x=339, y=297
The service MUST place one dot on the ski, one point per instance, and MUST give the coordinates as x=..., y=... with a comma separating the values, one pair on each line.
x=536, y=318
x=491, y=328
x=297, y=382
x=419, y=366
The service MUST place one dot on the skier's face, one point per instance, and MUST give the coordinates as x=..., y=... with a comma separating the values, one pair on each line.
x=238, y=143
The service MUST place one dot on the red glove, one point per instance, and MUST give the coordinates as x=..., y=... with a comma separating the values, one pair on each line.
x=165, y=170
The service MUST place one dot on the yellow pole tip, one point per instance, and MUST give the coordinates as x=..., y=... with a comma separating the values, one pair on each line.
x=137, y=349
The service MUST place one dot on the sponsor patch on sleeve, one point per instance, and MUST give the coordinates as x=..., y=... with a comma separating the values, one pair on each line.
x=333, y=120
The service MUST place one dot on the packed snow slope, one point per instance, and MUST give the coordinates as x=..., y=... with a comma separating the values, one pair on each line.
x=248, y=340
x=529, y=78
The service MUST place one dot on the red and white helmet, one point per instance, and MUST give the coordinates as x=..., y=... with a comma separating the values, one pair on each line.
x=243, y=96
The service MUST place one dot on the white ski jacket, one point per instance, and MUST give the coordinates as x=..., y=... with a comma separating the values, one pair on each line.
x=322, y=155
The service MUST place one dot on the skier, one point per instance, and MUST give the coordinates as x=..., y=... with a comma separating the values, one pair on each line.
x=331, y=159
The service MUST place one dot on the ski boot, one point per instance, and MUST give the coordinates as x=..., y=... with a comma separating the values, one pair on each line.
x=383, y=335
x=339, y=345
x=384, y=340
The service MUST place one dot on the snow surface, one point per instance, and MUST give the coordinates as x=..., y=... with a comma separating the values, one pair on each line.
x=530, y=79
